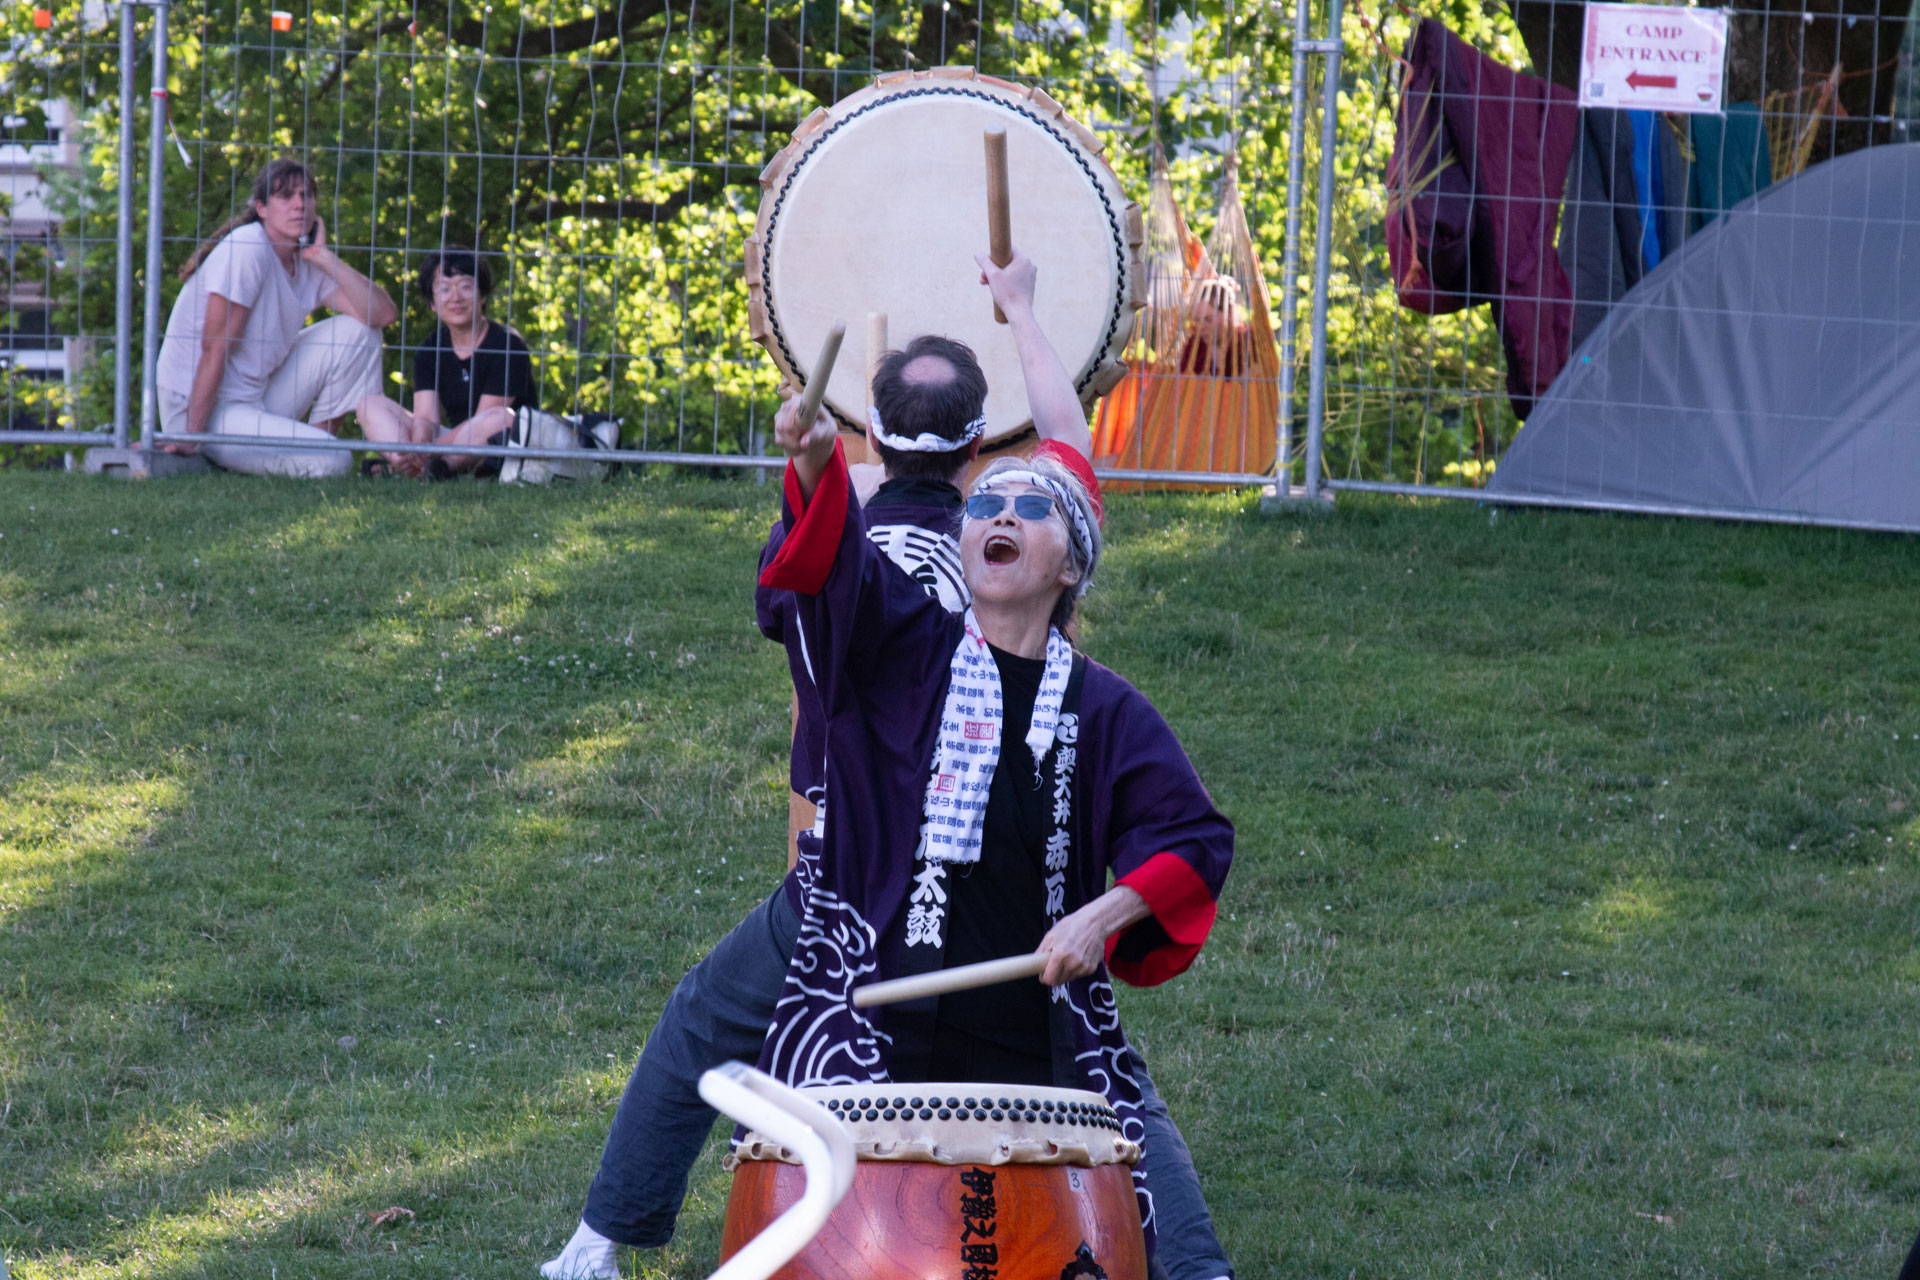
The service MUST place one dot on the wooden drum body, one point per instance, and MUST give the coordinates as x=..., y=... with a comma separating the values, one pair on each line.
x=878, y=205
x=1039, y=1187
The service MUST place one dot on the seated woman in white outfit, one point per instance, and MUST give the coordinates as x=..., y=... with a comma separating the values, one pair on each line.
x=240, y=359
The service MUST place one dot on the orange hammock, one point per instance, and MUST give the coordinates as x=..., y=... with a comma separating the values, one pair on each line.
x=1202, y=392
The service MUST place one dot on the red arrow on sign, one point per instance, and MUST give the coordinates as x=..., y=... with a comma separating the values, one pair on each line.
x=1637, y=81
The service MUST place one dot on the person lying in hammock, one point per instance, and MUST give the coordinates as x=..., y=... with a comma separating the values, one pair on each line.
x=985, y=780
x=1219, y=341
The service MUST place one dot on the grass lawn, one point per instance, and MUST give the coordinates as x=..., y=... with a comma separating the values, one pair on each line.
x=352, y=835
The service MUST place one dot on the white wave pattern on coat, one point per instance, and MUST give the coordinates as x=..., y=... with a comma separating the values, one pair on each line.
x=839, y=1045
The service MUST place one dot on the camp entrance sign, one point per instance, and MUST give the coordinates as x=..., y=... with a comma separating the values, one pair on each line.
x=1651, y=57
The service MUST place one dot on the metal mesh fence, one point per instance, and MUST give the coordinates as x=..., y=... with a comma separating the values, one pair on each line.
x=603, y=159
x=1411, y=398
x=56, y=250
x=605, y=162
x=1444, y=354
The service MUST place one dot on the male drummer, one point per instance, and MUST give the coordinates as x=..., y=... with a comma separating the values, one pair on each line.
x=925, y=426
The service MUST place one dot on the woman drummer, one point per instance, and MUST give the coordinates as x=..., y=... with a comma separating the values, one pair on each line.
x=987, y=780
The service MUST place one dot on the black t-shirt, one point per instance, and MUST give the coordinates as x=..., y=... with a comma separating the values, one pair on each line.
x=997, y=907
x=499, y=366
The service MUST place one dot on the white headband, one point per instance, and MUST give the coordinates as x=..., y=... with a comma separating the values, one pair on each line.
x=1076, y=518
x=926, y=442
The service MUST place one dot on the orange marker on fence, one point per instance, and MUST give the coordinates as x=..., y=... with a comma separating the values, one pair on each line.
x=42, y=18
x=282, y=20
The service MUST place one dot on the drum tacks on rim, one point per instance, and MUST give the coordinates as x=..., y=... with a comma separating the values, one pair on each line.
x=879, y=204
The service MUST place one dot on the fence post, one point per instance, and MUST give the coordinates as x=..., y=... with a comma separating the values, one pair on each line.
x=1290, y=269
x=156, y=187
x=123, y=303
x=1322, y=249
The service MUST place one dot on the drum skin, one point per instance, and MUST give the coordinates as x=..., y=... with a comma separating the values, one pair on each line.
x=905, y=1221
x=878, y=205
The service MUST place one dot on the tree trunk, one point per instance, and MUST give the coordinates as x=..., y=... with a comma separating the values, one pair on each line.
x=1551, y=30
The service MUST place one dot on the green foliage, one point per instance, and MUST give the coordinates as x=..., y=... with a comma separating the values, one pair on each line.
x=1410, y=397
x=34, y=404
x=27, y=402
x=609, y=157
x=352, y=836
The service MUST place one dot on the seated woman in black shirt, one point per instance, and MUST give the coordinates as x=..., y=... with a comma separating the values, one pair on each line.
x=472, y=371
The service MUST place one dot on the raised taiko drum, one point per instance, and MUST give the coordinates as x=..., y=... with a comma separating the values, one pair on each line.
x=878, y=205
x=958, y=1182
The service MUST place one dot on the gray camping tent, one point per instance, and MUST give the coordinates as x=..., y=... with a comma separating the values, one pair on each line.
x=1770, y=369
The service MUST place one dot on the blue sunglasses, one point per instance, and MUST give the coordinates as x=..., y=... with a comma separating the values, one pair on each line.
x=1028, y=506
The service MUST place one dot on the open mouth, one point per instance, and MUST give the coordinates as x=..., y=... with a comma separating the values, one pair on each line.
x=1000, y=549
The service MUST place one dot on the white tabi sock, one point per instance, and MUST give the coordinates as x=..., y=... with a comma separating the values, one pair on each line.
x=588, y=1256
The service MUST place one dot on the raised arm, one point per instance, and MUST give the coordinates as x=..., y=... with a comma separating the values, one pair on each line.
x=352, y=294
x=1057, y=411
x=809, y=445
x=862, y=625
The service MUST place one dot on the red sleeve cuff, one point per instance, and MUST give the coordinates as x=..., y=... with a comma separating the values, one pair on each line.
x=806, y=557
x=1075, y=461
x=1183, y=911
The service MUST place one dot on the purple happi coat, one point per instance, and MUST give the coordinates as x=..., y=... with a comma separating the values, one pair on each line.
x=915, y=521
x=1127, y=803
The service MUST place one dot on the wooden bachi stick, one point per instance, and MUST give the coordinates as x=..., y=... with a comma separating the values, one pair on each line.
x=876, y=347
x=816, y=389
x=999, y=206
x=964, y=978
x=876, y=350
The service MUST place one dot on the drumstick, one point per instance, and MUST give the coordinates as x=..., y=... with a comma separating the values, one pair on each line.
x=822, y=370
x=964, y=978
x=999, y=207
x=876, y=347
x=876, y=351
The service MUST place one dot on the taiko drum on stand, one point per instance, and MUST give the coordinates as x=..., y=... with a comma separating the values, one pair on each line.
x=958, y=1182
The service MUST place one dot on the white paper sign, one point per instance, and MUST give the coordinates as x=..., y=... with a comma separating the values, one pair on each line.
x=1653, y=58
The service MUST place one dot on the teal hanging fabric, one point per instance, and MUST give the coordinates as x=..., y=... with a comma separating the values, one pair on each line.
x=1730, y=162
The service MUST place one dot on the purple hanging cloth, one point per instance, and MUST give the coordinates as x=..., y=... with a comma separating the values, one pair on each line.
x=1480, y=156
